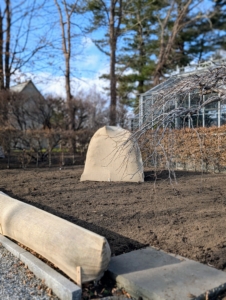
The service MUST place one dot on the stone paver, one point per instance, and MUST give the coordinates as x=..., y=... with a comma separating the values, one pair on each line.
x=156, y=275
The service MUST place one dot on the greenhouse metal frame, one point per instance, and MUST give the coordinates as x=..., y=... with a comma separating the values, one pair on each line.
x=214, y=114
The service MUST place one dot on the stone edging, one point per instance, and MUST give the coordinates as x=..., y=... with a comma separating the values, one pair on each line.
x=61, y=286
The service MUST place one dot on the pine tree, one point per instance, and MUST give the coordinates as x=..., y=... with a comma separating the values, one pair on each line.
x=136, y=60
x=163, y=35
x=219, y=23
x=108, y=16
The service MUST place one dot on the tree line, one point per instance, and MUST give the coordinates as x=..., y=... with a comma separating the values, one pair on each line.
x=33, y=127
x=144, y=40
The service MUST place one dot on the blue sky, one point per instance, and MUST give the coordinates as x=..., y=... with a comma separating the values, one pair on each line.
x=87, y=67
x=47, y=68
x=87, y=62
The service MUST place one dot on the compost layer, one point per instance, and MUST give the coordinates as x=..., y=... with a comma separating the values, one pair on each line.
x=186, y=218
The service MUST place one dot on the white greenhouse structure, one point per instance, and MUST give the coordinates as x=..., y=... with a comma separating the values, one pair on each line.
x=213, y=114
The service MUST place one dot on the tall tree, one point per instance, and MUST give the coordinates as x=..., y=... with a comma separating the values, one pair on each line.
x=17, y=48
x=136, y=60
x=219, y=22
x=1, y=53
x=177, y=17
x=161, y=35
x=67, y=12
x=108, y=16
x=202, y=37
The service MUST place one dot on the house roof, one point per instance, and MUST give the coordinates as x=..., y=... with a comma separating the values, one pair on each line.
x=19, y=87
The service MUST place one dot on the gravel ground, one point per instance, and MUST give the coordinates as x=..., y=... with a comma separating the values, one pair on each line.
x=17, y=282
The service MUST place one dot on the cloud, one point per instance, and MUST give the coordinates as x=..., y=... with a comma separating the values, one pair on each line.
x=55, y=85
x=87, y=43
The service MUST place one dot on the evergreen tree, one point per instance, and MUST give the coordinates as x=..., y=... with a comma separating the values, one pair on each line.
x=155, y=37
x=219, y=23
x=177, y=34
x=205, y=36
x=136, y=60
x=108, y=16
x=160, y=36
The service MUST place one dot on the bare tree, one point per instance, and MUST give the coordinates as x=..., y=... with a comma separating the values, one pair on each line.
x=114, y=29
x=18, y=48
x=66, y=12
x=179, y=15
x=4, y=95
x=97, y=109
x=1, y=52
x=158, y=135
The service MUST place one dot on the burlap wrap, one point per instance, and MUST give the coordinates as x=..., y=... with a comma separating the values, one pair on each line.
x=64, y=244
x=112, y=156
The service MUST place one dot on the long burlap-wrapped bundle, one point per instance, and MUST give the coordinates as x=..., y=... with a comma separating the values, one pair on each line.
x=64, y=244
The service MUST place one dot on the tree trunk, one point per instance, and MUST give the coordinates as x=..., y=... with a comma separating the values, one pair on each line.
x=142, y=52
x=7, y=45
x=50, y=154
x=8, y=159
x=157, y=77
x=37, y=160
x=1, y=53
x=113, y=120
x=66, y=48
x=68, y=93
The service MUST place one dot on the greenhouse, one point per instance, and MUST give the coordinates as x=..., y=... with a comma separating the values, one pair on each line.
x=213, y=114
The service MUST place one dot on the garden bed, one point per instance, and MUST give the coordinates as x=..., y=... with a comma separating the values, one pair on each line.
x=187, y=218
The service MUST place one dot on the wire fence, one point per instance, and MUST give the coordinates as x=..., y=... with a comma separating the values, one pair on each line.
x=42, y=148
x=200, y=149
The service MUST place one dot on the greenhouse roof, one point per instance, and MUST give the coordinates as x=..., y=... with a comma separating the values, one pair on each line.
x=175, y=78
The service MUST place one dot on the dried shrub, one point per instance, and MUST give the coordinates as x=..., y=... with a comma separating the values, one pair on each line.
x=199, y=149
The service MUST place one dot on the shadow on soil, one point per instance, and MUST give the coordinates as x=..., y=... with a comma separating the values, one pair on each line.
x=164, y=174
x=119, y=244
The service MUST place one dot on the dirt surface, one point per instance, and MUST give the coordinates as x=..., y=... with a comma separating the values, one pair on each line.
x=188, y=218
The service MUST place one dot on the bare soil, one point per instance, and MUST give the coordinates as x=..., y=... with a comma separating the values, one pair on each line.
x=186, y=218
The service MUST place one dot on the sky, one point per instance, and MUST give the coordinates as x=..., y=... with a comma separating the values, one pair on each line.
x=47, y=70
x=89, y=66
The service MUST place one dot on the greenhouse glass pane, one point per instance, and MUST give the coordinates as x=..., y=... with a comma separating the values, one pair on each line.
x=182, y=100
x=197, y=120
x=195, y=100
x=170, y=105
x=213, y=105
x=211, y=118
x=182, y=122
x=223, y=112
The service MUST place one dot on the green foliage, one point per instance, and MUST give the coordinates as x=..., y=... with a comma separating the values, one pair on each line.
x=194, y=41
x=98, y=15
x=136, y=60
x=140, y=38
x=219, y=22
